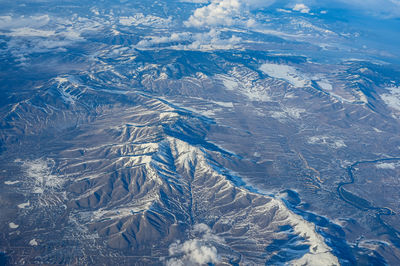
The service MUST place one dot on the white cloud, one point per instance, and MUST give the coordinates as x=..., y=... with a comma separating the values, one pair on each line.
x=196, y=251
x=154, y=40
x=192, y=252
x=39, y=26
x=283, y=10
x=380, y=8
x=223, y=12
x=204, y=41
x=211, y=41
x=217, y=13
x=206, y=231
x=302, y=8
x=42, y=33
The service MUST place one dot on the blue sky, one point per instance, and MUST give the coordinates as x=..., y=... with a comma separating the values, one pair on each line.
x=379, y=8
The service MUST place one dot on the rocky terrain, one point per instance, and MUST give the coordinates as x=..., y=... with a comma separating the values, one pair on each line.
x=125, y=143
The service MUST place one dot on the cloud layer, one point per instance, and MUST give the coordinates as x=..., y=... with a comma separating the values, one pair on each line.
x=209, y=40
x=226, y=12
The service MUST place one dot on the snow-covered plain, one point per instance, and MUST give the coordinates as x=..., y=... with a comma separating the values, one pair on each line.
x=285, y=72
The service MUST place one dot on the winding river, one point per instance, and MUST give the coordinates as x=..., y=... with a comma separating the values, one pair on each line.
x=364, y=204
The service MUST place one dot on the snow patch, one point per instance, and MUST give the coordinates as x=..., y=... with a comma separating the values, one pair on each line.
x=377, y=130
x=142, y=20
x=33, y=242
x=185, y=153
x=316, y=260
x=287, y=112
x=210, y=112
x=319, y=252
x=13, y=225
x=244, y=82
x=24, y=205
x=119, y=213
x=332, y=142
x=325, y=85
x=11, y=182
x=163, y=76
x=39, y=171
x=63, y=86
x=61, y=79
x=294, y=112
x=229, y=83
x=224, y=104
x=392, y=99
x=285, y=72
x=390, y=166
x=168, y=115
x=363, y=98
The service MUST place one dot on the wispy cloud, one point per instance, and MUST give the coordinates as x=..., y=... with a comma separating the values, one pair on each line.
x=43, y=33
x=209, y=40
x=155, y=40
x=9, y=22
